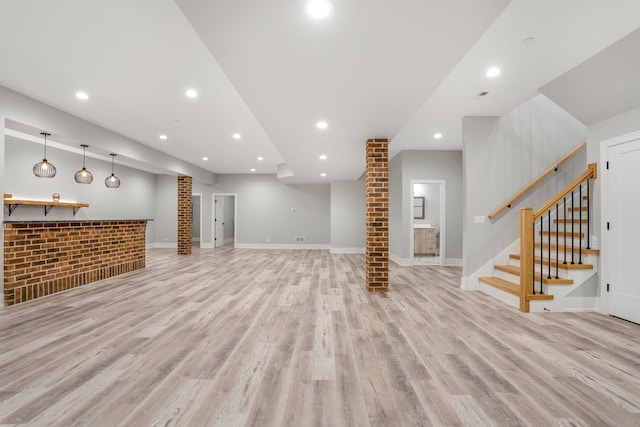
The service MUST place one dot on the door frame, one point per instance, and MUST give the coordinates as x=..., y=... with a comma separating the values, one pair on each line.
x=213, y=216
x=201, y=199
x=604, y=215
x=443, y=217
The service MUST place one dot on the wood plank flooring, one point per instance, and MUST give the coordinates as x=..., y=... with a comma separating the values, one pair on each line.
x=238, y=337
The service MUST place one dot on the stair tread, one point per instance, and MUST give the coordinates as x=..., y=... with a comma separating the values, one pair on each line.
x=512, y=269
x=502, y=284
x=562, y=233
x=512, y=288
x=576, y=249
x=569, y=220
x=567, y=266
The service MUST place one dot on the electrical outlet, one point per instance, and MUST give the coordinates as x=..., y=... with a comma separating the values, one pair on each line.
x=299, y=239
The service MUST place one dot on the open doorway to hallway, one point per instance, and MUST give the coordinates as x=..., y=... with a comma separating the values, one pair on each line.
x=196, y=220
x=224, y=219
x=427, y=234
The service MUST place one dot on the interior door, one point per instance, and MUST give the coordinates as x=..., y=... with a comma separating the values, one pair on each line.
x=219, y=221
x=623, y=216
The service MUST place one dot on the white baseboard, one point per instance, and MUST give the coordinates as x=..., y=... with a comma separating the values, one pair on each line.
x=303, y=246
x=453, y=261
x=195, y=239
x=403, y=262
x=206, y=245
x=162, y=246
x=229, y=240
x=347, y=250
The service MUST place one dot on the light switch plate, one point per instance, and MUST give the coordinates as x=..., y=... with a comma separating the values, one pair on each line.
x=478, y=219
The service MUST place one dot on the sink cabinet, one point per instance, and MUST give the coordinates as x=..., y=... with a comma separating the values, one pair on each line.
x=424, y=241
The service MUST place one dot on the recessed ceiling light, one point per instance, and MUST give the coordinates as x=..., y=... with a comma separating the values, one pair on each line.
x=528, y=40
x=205, y=158
x=323, y=157
x=437, y=135
x=236, y=136
x=323, y=174
x=253, y=169
x=493, y=72
x=260, y=158
x=163, y=136
x=191, y=93
x=319, y=9
x=322, y=125
x=82, y=95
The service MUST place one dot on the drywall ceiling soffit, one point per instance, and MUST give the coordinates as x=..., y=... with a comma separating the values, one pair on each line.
x=135, y=59
x=603, y=86
x=365, y=70
x=565, y=34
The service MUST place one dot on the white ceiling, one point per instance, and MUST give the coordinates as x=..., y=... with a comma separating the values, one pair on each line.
x=375, y=68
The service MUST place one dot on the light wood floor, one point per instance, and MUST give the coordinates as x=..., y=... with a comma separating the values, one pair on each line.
x=273, y=338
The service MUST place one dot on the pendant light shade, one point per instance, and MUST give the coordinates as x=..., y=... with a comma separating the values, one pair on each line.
x=83, y=176
x=112, y=181
x=44, y=169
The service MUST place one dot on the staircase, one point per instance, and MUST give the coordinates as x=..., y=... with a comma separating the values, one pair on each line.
x=553, y=268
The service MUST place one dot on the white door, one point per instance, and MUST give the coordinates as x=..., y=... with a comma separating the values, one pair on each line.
x=219, y=222
x=623, y=215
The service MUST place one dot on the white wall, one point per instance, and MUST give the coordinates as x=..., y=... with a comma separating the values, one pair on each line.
x=445, y=165
x=265, y=216
x=348, y=230
x=134, y=199
x=229, y=217
x=166, y=211
x=431, y=194
x=501, y=156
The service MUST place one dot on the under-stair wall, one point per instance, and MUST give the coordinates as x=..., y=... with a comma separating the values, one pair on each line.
x=501, y=155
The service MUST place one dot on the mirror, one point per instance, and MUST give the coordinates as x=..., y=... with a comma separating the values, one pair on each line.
x=419, y=207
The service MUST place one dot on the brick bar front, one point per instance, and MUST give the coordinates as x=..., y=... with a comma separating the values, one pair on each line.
x=377, y=221
x=42, y=258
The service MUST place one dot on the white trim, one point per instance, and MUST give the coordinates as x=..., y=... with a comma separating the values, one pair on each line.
x=347, y=250
x=226, y=241
x=443, y=218
x=206, y=246
x=603, y=176
x=453, y=261
x=303, y=246
x=162, y=246
x=402, y=262
x=235, y=218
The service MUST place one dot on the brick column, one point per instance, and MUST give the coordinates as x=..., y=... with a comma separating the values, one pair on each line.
x=185, y=212
x=377, y=203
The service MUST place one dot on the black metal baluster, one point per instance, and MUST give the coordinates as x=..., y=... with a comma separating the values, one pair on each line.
x=557, y=239
x=565, y=229
x=588, y=213
x=533, y=253
x=580, y=228
x=549, y=245
x=572, y=219
x=541, y=248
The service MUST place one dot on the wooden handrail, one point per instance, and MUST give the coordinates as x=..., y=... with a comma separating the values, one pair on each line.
x=536, y=181
x=591, y=172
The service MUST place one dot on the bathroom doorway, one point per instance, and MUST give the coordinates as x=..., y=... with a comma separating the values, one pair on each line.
x=428, y=214
x=224, y=220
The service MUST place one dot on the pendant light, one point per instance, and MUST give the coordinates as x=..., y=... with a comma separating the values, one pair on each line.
x=112, y=181
x=44, y=169
x=83, y=176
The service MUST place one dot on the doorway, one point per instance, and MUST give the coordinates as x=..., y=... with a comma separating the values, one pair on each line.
x=428, y=222
x=196, y=220
x=224, y=220
x=620, y=226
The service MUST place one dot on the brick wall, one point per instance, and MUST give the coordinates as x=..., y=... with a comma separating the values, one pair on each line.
x=377, y=222
x=42, y=258
x=185, y=214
